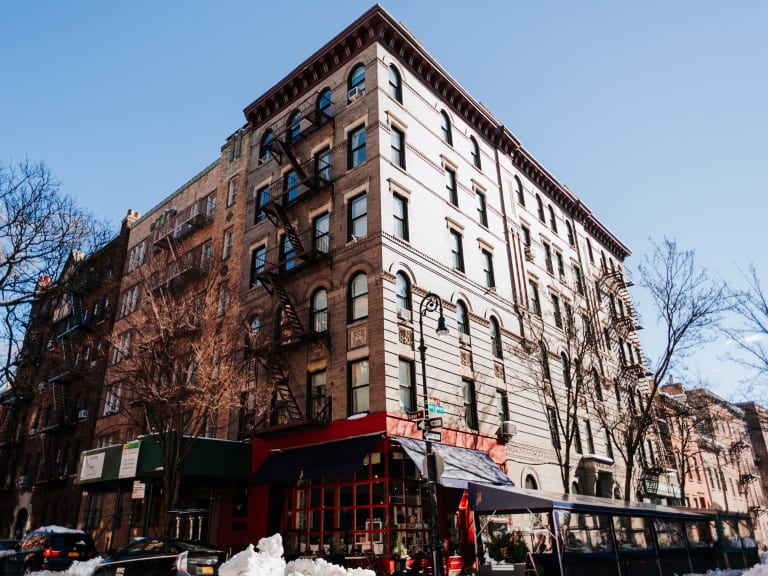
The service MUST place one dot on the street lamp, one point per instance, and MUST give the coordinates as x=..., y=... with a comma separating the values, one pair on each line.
x=430, y=303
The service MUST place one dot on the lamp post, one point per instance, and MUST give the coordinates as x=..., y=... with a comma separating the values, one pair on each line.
x=430, y=303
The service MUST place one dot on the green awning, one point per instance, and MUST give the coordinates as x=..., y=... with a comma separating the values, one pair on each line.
x=141, y=459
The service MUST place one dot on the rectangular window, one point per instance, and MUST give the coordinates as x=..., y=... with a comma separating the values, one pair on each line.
x=534, y=296
x=502, y=405
x=588, y=437
x=400, y=216
x=356, y=147
x=457, y=250
x=317, y=393
x=490, y=280
x=290, y=186
x=287, y=253
x=122, y=349
x=223, y=299
x=554, y=429
x=577, y=281
x=398, y=147
x=137, y=255
x=323, y=164
x=577, y=438
x=407, y=386
x=548, y=258
x=560, y=266
x=129, y=301
x=470, y=404
x=556, y=310
x=262, y=199
x=232, y=192
x=358, y=217
x=450, y=186
x=608, y=444
x=258, y=263
x=205, y=255
x=229, y=242
x=322, y=235
x=482, y=209
x=359, y=387
x=526, y=237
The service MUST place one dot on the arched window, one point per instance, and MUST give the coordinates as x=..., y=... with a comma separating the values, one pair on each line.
x=462, y=318
x=356, y=81
x=540, y=208
x=265, y=151
x=395, y=84
x=293, y=126
x=569, y=229
x=358, y=297
x=324, y=111
x=475, y=152
x=530, y=482
x=496, y=348
x=596, y=383
x=445, y=127
x=552, y=219
x=519, y=191
x=319, y=320
x=544, y=359
x=566, y=369
x=255, y=326
x=402, y=291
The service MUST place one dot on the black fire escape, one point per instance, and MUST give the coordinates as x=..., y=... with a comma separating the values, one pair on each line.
x=624, y=319
x=169, y=232
x=295, y=250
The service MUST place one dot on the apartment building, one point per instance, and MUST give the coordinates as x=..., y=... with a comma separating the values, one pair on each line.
x=376, y=181
x=49, y=417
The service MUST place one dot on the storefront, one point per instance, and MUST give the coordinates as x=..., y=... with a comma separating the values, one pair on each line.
x=360, y=497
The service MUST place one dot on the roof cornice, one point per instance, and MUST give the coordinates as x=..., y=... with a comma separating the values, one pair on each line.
x=378, y=25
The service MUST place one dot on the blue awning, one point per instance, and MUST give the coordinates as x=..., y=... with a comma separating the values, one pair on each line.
x=329, y=458
x=462, y=465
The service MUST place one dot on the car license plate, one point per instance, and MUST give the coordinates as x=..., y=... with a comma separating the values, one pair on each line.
x=206, y=569
x=74, y=555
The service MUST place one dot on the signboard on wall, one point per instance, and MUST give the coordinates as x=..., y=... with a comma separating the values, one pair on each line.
x=129, y=460
x=93, y=466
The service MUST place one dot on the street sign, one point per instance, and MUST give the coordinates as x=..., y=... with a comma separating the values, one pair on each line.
x=436, y=409
x=421, y=424
x=416, y=415
x=435, y=422
x=432, y=436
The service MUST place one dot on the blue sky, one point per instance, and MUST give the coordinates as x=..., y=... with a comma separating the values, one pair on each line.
x=655, y=113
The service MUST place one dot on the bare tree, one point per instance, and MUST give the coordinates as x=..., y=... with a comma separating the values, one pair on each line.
x=39, y=228
x=689, y=305
x=751, y=306
x=178, y=360
x=559, y=380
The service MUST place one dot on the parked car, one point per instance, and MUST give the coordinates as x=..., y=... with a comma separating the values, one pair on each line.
x=153, y=556
x=51, y=548
x=7, y=548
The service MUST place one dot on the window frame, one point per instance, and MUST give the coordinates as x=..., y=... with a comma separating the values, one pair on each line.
x=475, y=152
x=228, y=243
x=497, y=345
x=356, y=78
x=446, y=130
x=457, y=250
x=451, y=185
x=357, y=225
x=395, y=83
x=357, y=299
x=469, y=398
x=408, y=388
x=490, y=277
x=482, y=208
x=519, y=191
x=403, y=295
x=232, y=192
x=318, y=313
x=356, y=152
x=257, y=252
x=354, y=386
x=397, y=142
x=401, y=228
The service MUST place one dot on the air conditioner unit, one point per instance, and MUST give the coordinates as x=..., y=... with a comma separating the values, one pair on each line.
x=32, y=432
x=404, y=314
x=528, y=253
x=507, y=429
x=83, y=414
x=355, y=93
x=464, y=338
x=23, y=480
x=41, y=386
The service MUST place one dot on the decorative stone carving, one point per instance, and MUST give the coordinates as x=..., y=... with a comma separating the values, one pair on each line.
x=405, y=335
x=358, y=337
x=498, y=370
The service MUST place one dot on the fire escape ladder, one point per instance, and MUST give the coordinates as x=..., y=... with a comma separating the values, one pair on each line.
x=290, y=323
x=174, y=247
x=286, y=408
x=59, y=403
x=285, y=148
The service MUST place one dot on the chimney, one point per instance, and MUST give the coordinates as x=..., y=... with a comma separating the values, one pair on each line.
x=131, y=217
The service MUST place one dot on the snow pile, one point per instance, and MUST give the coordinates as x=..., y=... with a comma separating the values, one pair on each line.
x=77, y=569
x=756, y=570
x=268, y=561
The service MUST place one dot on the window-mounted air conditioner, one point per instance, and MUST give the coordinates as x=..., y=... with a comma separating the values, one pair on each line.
x=404, y=314
x=355, y=93
x=32, y=432
x=82, y=415
x=23, y=480
x=507, y=429
x=528, y=253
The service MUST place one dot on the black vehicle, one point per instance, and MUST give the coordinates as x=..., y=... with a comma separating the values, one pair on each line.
x=50, y=548
x=162, y=557
x=7, y=548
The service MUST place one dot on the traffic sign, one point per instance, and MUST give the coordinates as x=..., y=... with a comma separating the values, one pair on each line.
x=435, y=422
x=432, y=436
